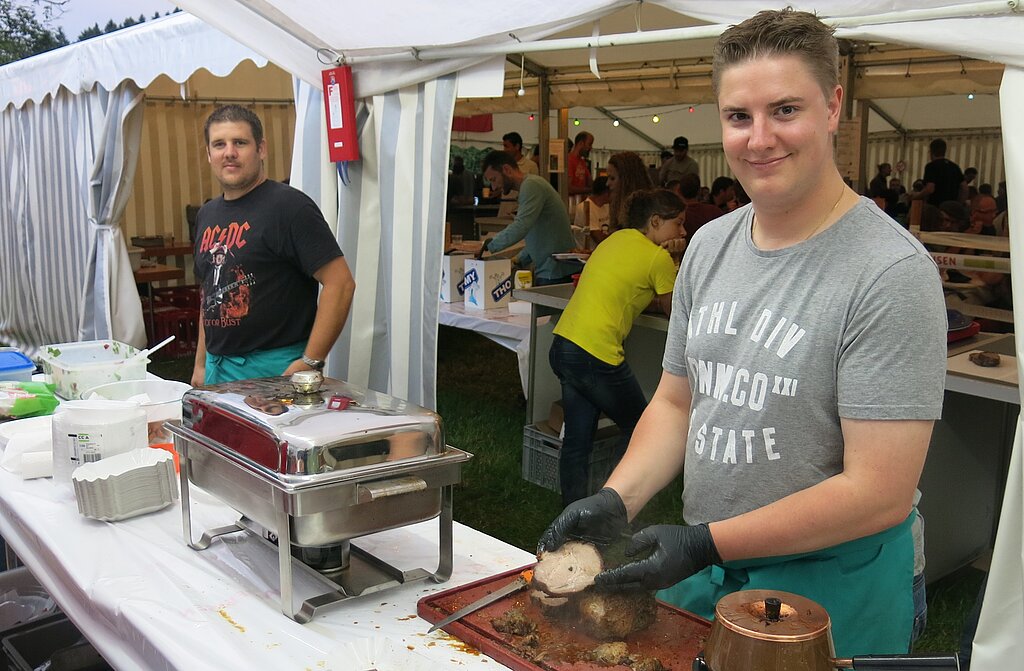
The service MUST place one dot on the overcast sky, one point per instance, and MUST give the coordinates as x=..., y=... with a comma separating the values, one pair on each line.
x=81, y=14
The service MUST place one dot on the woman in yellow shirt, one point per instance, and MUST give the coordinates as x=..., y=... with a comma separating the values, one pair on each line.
x=628, y=272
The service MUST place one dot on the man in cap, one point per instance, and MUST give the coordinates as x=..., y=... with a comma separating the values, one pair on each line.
x=680, y=164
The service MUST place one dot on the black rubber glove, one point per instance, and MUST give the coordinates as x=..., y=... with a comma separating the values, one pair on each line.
x=676, y=553
x=597, y=519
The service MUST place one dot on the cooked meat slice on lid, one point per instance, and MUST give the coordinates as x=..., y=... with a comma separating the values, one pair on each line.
x=567, y=570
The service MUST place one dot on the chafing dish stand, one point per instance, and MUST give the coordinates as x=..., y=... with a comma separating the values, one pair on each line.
x=364, y=574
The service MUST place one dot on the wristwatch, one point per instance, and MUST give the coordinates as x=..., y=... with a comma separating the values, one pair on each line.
x=315, y=364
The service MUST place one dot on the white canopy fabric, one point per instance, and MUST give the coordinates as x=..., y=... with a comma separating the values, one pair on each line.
x=69, y=132
x=175, y=46
x=289, y=31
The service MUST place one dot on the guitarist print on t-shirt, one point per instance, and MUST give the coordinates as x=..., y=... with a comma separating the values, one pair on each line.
x=226, y=295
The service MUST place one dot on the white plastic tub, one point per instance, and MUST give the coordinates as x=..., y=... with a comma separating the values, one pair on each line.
x=78, y=366
x=161, y=399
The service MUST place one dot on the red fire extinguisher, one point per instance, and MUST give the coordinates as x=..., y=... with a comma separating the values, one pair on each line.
x=339, y=105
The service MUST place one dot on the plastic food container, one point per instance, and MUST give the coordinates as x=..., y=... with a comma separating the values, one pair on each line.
x=87, y=431
x=15, y=366
x=161, y=399
x=78, y=366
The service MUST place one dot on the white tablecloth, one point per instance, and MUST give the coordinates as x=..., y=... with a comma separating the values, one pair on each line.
x=147, y=601
x=510, y=330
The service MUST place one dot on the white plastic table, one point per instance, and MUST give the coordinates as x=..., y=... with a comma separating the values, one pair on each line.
x=147, y=601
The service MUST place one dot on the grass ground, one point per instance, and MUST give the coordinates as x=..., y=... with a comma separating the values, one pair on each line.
x=480, y=399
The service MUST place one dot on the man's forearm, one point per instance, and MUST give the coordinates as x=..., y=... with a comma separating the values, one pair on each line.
x=657, y=449
x=331, y=313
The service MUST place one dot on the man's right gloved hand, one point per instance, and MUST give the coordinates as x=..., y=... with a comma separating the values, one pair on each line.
x=598, y=519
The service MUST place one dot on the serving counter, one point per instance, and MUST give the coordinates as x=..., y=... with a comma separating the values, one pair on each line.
x=963, y=480
x=147, y=601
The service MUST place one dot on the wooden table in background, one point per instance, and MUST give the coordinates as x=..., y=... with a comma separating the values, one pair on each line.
x=156, y=273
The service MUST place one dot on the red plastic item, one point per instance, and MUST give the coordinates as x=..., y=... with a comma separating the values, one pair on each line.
x=675, y=638
x=964, y=333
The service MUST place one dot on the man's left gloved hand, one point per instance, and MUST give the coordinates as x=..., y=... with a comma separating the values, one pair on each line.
x=676, y=553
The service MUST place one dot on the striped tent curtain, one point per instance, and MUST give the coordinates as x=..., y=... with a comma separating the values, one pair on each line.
x=111, y=308
x=390, y=225
x=48, y=151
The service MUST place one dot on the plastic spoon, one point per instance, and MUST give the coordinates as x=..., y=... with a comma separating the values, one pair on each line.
x=146, y=352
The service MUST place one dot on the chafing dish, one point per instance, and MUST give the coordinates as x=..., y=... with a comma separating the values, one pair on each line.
x=317, y=463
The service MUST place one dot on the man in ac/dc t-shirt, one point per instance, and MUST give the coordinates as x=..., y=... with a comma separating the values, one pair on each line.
x=263, y=252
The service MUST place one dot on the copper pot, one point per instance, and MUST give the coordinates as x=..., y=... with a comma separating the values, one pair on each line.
x=770, y=630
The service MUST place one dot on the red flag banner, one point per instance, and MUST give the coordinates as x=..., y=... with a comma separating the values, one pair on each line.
x=478, y=123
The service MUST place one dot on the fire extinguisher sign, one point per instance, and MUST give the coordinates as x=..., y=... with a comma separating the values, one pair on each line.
x=339, y=107
x=335, y=118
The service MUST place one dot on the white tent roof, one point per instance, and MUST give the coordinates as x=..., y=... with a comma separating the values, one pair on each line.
x=186, y=44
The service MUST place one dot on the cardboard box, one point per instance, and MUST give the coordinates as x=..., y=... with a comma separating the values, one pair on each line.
x=488, y=283
x=452, y=271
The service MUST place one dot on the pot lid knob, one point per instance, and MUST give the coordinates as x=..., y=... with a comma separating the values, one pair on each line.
x=772, y=608
x=307, y=381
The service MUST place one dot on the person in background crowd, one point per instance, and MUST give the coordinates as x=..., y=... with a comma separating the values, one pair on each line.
x=705, y=194
x=513, y=144
x=680, y=164
x=879, y=188
x=626, y=174
x=292, y=289
x=1001, y=197
x=591, y=220
x=970, y=174
x=697, y=213
x=461, y=183
x=541, y=220
x=654, y=171
x=587, y=353
x=580, y=181
x=943, y=180
x=741, y=198
x=983, y=212
x=722, y=193
x=809, y=489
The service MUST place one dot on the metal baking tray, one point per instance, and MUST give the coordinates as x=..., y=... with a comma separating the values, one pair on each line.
x=675, y=638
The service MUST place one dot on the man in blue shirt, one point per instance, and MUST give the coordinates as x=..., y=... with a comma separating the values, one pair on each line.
x=542, y=220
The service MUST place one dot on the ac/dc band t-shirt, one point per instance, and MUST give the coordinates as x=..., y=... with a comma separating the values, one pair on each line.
x=255, y=258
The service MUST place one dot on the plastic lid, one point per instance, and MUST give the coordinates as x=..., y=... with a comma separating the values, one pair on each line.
x=11, y=360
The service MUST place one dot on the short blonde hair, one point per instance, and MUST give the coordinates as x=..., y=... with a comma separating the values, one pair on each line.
x=782, y=32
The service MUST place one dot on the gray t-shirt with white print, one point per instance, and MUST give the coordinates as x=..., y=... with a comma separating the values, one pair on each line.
x=779, y=345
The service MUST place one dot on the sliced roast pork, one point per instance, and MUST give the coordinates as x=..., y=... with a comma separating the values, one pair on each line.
x=568, y=570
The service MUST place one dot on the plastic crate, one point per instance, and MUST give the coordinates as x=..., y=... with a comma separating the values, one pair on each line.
x=55, y=640
x=541, y=451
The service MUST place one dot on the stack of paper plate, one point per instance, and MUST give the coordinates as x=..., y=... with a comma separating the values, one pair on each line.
x=126, y=485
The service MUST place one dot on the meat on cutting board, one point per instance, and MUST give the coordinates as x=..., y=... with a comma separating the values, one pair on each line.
x=568, y=570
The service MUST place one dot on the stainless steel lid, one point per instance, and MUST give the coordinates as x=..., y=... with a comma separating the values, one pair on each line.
x=338, y=426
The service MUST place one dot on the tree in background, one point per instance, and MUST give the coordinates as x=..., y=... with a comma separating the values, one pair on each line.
x=24, y=32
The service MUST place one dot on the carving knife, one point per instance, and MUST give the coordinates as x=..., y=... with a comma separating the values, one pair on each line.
x=521, y=581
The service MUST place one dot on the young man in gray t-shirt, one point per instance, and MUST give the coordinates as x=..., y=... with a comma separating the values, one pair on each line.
x=803, y=371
